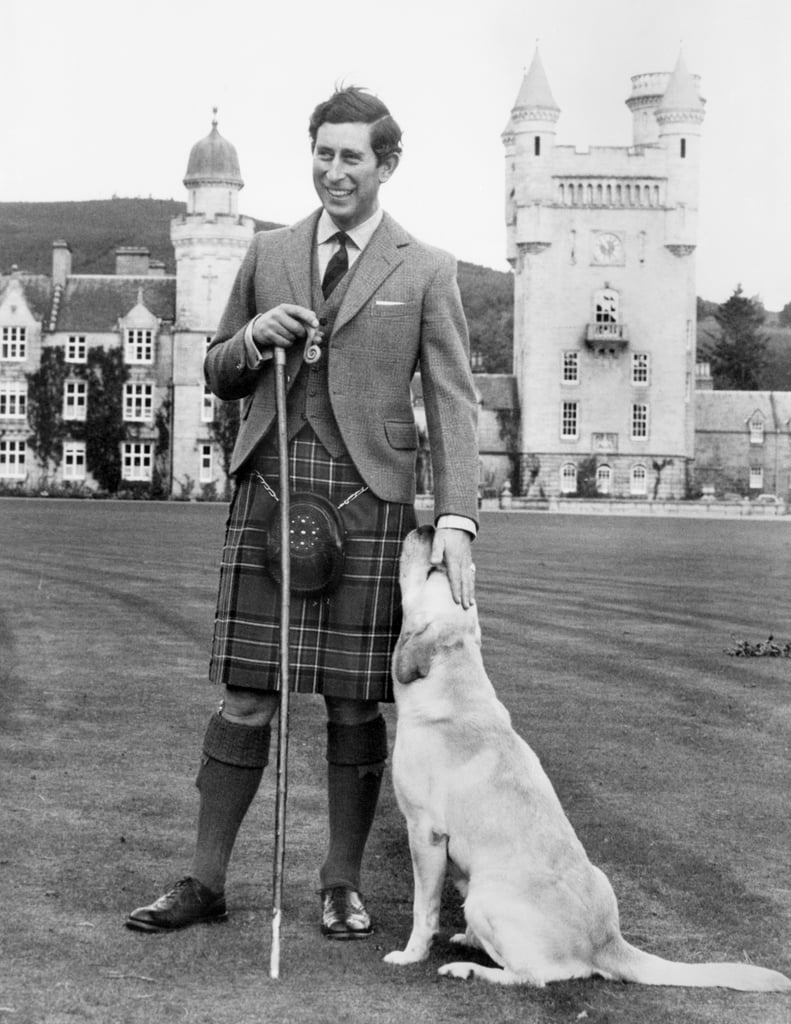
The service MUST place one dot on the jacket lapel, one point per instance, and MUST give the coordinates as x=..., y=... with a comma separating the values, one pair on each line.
x=381, y=256
x=298, y=259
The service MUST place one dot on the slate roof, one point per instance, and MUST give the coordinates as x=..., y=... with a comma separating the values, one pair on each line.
x=38, y=292
x=495, y=390
x=95, y=302
x=730, y=410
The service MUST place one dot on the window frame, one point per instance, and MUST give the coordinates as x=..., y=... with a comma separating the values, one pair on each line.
x=15, y=394
x=74, y=410
x=144, y=451
x=13, y=343
x=138, y=393
x=138, y=346
x=570, y=413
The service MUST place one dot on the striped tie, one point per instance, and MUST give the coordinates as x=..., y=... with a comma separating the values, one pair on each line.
x=337, y=266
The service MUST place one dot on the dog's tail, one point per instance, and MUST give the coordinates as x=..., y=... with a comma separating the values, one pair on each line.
x=624, y=962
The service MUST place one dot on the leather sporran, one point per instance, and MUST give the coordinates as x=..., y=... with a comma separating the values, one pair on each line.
x=316, y=542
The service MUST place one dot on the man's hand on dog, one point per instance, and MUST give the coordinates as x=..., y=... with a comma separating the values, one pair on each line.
x=453, y=548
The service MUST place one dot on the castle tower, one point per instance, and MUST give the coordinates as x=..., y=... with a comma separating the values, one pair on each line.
x=209, y=240
x=602, y=246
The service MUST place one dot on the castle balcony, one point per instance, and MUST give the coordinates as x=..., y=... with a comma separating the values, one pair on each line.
x=607, y=336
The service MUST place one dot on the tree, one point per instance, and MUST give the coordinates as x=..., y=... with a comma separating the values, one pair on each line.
x=223, y=430
x=739, y=355
x=45, y=408
x=105, y=432
x=785, y=315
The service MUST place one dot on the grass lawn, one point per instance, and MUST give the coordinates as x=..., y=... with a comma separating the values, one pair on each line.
x=605, y=638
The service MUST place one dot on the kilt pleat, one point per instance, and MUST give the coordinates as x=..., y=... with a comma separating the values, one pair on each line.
x=340, y=643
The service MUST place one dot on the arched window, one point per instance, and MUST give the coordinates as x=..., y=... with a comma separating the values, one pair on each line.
x=639, y=481
x=603, y=479
x=568, y=478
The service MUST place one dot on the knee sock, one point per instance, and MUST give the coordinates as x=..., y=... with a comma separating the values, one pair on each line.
x=356, y=756
x=234, y=758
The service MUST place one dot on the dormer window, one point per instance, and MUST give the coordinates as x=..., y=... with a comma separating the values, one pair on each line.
x=138, y=345
x=756, y=425
x=13, y=344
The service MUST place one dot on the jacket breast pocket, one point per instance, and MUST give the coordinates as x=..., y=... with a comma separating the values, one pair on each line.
x=401, y=434
x=384, y=310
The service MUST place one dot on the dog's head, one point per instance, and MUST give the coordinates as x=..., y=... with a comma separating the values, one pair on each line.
x=433, y=624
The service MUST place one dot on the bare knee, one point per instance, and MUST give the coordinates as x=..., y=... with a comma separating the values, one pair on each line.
x=249, y=707
x=343, y=711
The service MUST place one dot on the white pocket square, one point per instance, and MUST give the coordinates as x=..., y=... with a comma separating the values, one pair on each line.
x=388, y=302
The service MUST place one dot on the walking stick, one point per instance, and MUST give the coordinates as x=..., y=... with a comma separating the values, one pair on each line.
x=285, y=608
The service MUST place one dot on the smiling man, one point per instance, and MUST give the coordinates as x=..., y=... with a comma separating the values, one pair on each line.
x=359, y=304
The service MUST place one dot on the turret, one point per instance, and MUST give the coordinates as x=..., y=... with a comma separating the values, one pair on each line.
x=679, y=118
x=529, y=139
x=213, y=179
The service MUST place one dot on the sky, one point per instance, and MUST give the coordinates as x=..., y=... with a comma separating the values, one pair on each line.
x=103, y=98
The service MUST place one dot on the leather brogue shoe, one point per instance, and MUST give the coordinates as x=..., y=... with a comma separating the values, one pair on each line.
x=343, y=914
x=188, y=902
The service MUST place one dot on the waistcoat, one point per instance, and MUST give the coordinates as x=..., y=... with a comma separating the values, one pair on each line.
x=309, y=396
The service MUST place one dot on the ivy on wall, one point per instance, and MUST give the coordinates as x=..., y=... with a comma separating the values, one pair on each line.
x=45, y=409
x=103, y=429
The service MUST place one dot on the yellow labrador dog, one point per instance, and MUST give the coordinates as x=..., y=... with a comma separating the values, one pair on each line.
x=474, y=793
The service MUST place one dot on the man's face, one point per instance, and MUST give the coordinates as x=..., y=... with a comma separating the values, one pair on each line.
x=346, y=175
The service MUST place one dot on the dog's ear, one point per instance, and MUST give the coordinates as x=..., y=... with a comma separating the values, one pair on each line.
x=412, y=656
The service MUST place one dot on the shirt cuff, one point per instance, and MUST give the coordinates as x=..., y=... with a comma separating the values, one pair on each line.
x=254, y=357
x=452, y=522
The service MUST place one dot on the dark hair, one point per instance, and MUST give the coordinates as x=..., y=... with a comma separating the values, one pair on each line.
x=353, y=104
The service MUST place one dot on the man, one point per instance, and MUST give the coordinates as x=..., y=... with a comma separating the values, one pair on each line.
x=376, y=304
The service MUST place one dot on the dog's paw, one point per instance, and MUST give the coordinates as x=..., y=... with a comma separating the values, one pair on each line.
x=401, y=957
x=463, y=971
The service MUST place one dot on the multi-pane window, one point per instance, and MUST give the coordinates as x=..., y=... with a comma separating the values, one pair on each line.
x=138, y=345
x=640, y=367
x=639, y=480
x=207, y=406
x=757, y=430
x=136, y=460
x=603, y=479
x=605, y=307
x=76, y=349
x=138, y=401
x=75, y=399
x=568, y=478
x=569, y=421
x=12, y=459
x=756, y=478
x=571, y=367
x=639, y=421
x=13, y=400
x=206, y=470
x=74, y=460
x=13, y=344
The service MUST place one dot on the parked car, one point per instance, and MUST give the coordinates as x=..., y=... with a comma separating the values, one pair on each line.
x=768, y=499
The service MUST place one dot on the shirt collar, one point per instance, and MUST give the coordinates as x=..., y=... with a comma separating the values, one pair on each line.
x=361, y=235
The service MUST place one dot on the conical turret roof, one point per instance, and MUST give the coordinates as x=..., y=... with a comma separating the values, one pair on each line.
x=681, y=92
x=535, y=91
x=213, y=159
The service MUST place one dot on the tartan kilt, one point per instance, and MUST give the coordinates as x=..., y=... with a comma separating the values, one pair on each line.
x=340, y=643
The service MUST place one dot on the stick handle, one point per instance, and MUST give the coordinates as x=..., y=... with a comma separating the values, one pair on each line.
x=285, y=609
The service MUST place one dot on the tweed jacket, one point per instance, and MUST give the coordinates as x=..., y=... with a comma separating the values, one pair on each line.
x=402, y=312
